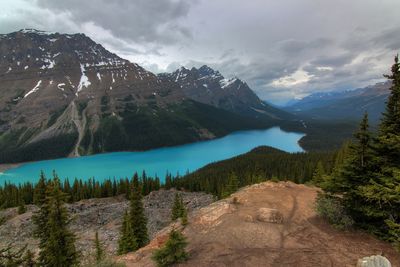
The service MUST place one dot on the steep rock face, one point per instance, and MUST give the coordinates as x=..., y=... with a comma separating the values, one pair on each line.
x=64, y=94
x=48, y=81
x=42, y=72
x=208, y=86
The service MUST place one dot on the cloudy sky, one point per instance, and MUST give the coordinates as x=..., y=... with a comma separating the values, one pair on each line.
x=283, y=49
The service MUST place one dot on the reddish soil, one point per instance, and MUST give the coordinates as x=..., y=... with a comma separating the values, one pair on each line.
x=228, y=234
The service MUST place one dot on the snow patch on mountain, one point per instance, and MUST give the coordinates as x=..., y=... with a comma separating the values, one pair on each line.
x=35, y=89
x=227, y=82
x=84, y=82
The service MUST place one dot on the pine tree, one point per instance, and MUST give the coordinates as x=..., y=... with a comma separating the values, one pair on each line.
x=137, y=217
x=127, y=241
x=184, y=219
x=40, y=218
x=383, y=191
x=173, y=251
x=353, y=173
x=177, y=207
x=368, y=180
x=40, y=190
x=57, y=243
x=21, y=207
x=318, y=175
x=99, y=250
x=232, y=186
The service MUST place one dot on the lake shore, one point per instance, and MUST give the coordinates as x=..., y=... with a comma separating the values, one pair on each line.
x=7, y=166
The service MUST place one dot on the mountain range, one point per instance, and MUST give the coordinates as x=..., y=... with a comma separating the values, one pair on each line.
x=208, y=86
x=344, y=105
x=65, y=95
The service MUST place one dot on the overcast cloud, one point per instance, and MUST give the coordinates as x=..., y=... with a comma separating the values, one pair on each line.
x=283, y=49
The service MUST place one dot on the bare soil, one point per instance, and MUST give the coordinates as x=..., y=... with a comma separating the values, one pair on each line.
x=229, y=234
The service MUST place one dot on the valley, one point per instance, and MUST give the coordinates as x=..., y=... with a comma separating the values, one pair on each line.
x=64, y=94
x=105, y=162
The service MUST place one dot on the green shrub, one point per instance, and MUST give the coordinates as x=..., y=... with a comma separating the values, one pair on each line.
x=331, y=208
x=21, y=208
x=173, y=251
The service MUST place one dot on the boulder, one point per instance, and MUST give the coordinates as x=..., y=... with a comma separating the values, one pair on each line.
x=269, y=215
x=374, y=261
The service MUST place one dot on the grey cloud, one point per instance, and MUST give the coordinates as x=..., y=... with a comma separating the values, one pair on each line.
x=260, y=41
x=136, y=20
x=334, y=61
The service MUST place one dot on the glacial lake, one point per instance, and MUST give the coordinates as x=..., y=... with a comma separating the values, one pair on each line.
x=178, y=159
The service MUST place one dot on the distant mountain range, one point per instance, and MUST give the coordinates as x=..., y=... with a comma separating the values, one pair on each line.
x=346, y=105
x=64, y=94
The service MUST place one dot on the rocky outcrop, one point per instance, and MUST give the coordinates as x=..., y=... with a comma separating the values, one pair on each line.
x=229, y=232
x=269, y=215
x=374, y=261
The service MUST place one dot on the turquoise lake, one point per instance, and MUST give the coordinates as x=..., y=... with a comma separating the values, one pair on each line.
x=178, y=159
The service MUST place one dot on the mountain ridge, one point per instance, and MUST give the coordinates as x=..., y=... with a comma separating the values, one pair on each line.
x=64, y=94
x=208, y=86
x=344, y=105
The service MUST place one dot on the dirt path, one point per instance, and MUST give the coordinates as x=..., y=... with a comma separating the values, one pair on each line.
x=227, y=234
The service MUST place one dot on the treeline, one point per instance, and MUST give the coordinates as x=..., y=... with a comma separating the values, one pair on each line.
x=260, y=164
x=17, y=195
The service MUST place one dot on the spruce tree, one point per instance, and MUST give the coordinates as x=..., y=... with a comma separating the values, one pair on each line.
x=368, y=180
x=21, y=207
x=40, y=217
x=354, y=172
x=318, y=175
x=137, y=218
x=57, y=243
x=383, y=191
x=232, y=186
x=173, y=251
x=184, y=218
x=127, y=241
x=40, y=190
x=99, y=250
x=177, y=207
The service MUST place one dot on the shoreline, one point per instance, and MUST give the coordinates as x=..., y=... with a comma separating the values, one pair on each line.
x=8, y=166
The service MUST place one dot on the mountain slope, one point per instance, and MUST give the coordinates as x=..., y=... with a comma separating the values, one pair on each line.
x=208, y=86
x=344, y=105
x=64, y=94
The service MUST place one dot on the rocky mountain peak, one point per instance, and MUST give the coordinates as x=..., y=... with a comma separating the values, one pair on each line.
x=206, y=71
x=209, y=86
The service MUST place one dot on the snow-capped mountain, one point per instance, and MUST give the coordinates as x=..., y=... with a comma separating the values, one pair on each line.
x=64, y=94
x=208, y=86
